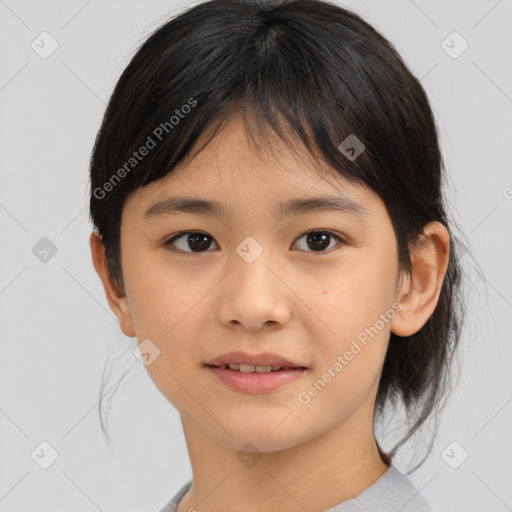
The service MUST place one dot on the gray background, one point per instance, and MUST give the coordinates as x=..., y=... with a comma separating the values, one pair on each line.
x=57, y=330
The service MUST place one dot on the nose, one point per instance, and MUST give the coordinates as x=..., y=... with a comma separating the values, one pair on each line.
x=253, y=295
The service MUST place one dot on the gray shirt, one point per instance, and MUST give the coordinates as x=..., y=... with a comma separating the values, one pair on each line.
x=392, y=492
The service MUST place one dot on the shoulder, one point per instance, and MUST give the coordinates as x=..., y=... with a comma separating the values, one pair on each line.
x=391, y=492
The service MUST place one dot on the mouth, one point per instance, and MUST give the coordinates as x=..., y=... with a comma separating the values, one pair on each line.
x=246, y=362
x=255, y=379
x=251, y=368
x=252, y=373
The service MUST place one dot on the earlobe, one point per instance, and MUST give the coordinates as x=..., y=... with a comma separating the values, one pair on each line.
x=420, y=290
x=118, y=302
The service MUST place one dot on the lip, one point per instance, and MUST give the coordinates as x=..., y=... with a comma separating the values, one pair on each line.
x=262, y=359
x=256, y=383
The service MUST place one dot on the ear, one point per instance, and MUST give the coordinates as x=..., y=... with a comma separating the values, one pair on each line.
x=117, y=300
x=420, y=289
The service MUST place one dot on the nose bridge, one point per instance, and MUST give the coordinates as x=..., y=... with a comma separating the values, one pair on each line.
x=251, y=263
x=252, y=294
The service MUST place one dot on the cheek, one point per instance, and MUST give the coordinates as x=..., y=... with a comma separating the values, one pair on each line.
x=160, y=294
x=169, y=306
x=356, y=305
x=358, y=293
x=348, y=362
x=166, y=309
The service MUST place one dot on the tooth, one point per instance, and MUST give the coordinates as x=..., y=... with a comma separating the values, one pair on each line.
x=263, y=369
x=250, y=368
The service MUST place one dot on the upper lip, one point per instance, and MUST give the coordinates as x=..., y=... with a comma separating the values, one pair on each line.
x=263, y=359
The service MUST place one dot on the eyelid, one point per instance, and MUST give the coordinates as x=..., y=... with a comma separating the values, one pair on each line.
x=342, y=241
x=169, y=246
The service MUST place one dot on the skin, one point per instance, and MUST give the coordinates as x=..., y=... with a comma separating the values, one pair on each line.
x=301, y=303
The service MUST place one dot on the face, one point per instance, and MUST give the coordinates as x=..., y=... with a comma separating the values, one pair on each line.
x=315, y=287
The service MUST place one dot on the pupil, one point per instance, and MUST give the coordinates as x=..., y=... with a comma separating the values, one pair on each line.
x=200, y=239
x=319, y=238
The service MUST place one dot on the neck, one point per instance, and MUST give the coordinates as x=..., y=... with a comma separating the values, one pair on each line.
x=314, y=475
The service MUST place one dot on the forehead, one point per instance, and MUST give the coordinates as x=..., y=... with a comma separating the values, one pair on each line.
x=231, y=169
x=235, y=148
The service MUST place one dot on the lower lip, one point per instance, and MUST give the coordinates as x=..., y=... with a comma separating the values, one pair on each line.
x=254, y=382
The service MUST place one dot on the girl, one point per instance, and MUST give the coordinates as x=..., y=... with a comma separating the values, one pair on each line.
x=266, y=192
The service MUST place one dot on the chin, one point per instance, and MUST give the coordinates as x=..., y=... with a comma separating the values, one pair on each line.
x=266, y=438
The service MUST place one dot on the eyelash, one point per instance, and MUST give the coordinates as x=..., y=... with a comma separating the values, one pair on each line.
x=169, y=246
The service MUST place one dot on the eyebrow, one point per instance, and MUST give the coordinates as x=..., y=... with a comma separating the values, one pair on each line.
x=197, y=206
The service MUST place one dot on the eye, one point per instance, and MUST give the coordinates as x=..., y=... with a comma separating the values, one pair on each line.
x=319, y=240
x=196, y=240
